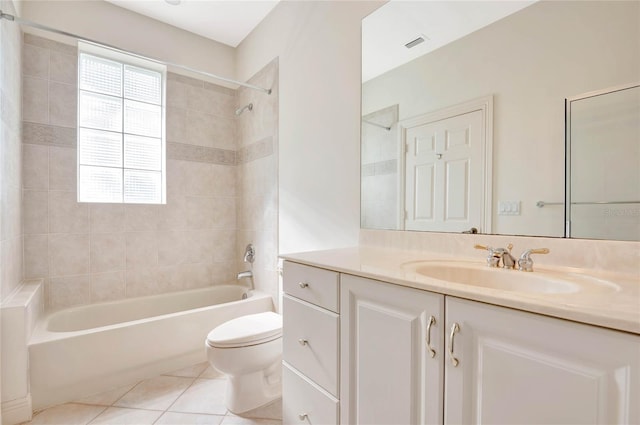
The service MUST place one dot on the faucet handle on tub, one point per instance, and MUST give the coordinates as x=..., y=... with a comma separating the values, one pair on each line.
x=525, y=263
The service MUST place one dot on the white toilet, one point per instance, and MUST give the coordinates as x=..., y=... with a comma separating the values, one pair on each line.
x=248, y=350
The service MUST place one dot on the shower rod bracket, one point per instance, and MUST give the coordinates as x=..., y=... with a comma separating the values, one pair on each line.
x=31, y=24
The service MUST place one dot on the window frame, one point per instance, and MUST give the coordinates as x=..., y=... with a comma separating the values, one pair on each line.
x=139, y=62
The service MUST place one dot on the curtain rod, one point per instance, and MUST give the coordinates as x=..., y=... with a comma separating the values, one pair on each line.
x=21, y=21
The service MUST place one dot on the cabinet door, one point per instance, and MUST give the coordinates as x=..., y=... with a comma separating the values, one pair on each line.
x=516, y=368
x=387, y=373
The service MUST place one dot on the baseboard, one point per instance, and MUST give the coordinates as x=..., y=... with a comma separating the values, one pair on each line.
x=16, y=411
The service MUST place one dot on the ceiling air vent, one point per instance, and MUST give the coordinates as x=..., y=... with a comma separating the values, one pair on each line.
x=415, y=42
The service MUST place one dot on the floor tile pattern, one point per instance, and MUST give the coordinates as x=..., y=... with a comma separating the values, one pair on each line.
x=193, y=395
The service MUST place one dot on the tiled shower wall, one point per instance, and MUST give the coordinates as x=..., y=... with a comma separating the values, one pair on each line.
x=97, y=252
x=257, y=174
x=10, y=156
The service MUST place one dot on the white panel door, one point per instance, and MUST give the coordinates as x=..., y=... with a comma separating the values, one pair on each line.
x=387, y=373
x=444, y=165
x=520, y=368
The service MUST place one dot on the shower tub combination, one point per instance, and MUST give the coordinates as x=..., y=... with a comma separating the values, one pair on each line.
x=85, y=350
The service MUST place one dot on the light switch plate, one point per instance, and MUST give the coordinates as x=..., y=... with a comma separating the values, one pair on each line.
x=508, y=207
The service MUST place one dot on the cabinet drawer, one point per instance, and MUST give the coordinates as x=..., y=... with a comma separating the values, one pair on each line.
x=300, y=397
x=318, y=286
x=310, y=342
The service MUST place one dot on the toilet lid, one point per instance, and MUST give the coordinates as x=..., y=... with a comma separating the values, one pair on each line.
x=246, y=330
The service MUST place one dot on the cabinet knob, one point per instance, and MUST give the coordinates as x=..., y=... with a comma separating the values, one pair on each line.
x=303, y=285
x=303, y=341
x=303, y=416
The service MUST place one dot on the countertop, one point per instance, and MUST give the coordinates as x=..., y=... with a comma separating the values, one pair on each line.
x=614, y=304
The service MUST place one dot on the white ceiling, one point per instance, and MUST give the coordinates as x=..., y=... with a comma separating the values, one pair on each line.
x=225, y=21
x=388, y=29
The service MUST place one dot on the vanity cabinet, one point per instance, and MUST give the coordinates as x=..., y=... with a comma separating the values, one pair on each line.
x=492, y=364
x=517, y=367
x=388, y=375
x=368, y=359
x=310, y=345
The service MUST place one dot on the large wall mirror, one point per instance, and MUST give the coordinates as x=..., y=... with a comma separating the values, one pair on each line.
x=463, y=117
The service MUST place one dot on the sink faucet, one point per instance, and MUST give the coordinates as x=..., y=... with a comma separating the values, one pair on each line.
x=499, y=254
x=525, y=263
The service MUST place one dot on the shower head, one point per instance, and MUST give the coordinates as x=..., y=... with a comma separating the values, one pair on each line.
x=241, y=110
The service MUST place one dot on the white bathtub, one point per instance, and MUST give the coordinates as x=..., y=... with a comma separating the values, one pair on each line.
x=89, y=349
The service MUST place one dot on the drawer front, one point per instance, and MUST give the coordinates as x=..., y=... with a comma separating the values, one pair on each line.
x=304, y=403
x=317, y=286
x=310, y=342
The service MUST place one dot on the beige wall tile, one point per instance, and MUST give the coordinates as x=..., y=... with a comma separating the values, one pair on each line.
x=35, y=210
x=66, y=214
x=222, y=273
x=35, y=100
x=63, y=68
x=172, y=248
x=141, y=217
x=200, y=129
x=108, y=286
x=62, y=168
x=63, y=104
x=224, y=133
x=226, y=247
x=142, y=250
x=68, y=291
x=201, y=213
x=199, y=245
x=224, y=182
x=197, y=275
x=68, y=254
x=35, y=169
x=35, y=61
x=105, y=218
x=224, y=213
x=142, y=281
x=36, y=256
x=176, y=94
x=107, y=252
x=198, y=178
x=173, y=215
x=177, y=124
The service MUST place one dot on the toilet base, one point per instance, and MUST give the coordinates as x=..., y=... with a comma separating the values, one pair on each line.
x=253, y=390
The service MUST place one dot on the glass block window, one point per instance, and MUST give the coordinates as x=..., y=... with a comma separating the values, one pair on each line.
x=121, y=146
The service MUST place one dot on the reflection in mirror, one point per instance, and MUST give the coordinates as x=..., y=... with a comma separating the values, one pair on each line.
x=603, y=165
x=528, y=60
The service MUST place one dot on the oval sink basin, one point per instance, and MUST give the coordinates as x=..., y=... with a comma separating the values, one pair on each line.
x=476, y=274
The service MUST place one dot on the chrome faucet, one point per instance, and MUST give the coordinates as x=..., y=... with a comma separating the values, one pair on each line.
x=496, y=255
x=248, y=274
x=525, y=263
x=249, y=257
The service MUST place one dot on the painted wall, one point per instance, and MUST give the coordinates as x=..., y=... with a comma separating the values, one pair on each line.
x=97, y=20
x=318, y=46
x=530, y=61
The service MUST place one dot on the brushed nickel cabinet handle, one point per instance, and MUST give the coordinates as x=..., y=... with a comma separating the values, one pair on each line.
x=303, y=341
x=432, y=321
x=303, y=285
x=303, y=416
x=454, y=328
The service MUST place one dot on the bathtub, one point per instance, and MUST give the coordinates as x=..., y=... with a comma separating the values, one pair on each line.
x=89, y=349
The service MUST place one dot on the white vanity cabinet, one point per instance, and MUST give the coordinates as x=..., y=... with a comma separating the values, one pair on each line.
x=310, y=346
x=388, y=375
x=517, y=367
x=359, y=351
x=511, y=367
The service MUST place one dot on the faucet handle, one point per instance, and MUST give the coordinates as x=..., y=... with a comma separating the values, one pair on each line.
x=492, y=258
x=525, y=263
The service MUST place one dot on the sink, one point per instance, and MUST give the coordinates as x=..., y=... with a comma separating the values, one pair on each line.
x=478, y=274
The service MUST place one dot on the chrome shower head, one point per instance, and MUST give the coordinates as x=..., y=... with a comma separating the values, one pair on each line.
x=241, y=110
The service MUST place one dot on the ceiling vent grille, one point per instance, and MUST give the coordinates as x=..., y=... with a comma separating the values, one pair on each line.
x=414, y=43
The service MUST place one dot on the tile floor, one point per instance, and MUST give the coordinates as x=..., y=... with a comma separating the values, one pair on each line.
x=194, y=395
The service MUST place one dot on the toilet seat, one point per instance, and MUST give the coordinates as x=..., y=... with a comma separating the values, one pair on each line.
x=247, y=330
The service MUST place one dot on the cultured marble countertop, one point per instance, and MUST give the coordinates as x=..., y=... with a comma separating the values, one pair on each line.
x=614, y=302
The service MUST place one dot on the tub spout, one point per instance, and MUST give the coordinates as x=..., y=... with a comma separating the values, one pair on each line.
x=247, y=274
